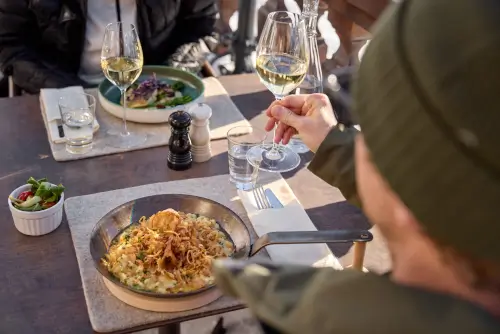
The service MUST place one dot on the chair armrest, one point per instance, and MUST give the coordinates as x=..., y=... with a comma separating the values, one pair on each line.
x=207, y=69
x=14, y=90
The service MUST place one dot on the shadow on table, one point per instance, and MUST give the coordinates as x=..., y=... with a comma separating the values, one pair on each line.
x=147, y=166
x=253, y=103
x=304, y=160
x=340, y=215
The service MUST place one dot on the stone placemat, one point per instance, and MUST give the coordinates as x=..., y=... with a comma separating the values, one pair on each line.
x=225, y=116
x=107, y=313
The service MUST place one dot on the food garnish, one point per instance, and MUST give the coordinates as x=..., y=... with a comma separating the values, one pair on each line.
x=169, y=252
x=41, y=196
x=154, y=93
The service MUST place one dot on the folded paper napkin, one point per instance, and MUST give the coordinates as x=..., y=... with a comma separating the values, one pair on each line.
x=49, y=105
x=292, y=217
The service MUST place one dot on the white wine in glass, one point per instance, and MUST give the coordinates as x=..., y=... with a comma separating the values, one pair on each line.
x=282, y=62
x=122, y=71
x=281, y=73
x=121, y=62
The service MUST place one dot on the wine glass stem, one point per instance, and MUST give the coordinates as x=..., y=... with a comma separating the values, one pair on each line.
x=275, y=146
x=124, y=117
x=274, y=136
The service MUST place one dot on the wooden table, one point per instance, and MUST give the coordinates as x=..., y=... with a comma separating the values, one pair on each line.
x=40, y=290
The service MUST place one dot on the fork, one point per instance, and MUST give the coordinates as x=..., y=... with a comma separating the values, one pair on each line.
x=261, y=198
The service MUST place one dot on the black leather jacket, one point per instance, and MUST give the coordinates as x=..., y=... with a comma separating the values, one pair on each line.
x=41, y=41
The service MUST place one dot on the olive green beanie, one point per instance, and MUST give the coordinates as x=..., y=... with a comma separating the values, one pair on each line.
x=427, y=97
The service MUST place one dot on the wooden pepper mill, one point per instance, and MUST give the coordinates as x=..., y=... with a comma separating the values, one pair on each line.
x=179, y=156
x=200, y=132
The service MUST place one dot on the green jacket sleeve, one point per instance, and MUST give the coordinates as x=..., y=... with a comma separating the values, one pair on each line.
x=334, y=162
x=301, y=300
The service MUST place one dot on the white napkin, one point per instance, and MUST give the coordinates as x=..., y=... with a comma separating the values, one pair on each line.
x=49, y=104
x=292, y=217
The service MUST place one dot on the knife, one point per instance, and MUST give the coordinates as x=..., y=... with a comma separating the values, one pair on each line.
x=60, y=127
x=273, y=200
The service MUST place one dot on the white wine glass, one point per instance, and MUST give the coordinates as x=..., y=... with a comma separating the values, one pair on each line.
x=282, y=61
x=122, y=61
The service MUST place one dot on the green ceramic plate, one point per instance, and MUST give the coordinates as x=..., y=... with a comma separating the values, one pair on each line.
x=109, y=95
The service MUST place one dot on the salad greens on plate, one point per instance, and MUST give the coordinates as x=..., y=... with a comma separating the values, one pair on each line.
x=154, y=93
x=41, y=196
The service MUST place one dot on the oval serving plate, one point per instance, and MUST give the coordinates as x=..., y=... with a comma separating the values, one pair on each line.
x=109, y=95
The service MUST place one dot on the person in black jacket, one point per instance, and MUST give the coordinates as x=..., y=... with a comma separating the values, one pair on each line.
x=56, y=43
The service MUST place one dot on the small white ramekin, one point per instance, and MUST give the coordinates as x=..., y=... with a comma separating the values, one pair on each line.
x=38, y=222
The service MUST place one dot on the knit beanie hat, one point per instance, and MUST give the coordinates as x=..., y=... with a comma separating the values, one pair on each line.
x=427, y=97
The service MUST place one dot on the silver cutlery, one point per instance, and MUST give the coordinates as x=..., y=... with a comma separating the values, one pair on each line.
x=273, y=200
x=260, y=198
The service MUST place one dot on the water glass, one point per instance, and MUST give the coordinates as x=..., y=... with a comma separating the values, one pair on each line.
x=77, y=115
x=297, y=145
x=240, y=139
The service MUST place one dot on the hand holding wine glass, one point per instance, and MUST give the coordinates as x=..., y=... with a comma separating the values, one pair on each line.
x=121, y=62
x=310, y=116
x=282, y=61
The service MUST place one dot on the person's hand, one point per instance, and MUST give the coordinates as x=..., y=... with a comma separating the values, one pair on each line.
x=310, y=116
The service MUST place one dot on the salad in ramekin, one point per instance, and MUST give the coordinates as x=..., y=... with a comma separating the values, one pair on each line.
x=41, y=195
x=37, y=206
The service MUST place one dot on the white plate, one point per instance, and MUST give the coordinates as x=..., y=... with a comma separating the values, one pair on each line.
x=143, y=115
x=108, y=95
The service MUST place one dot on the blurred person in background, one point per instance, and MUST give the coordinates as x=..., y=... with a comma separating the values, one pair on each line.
x=54, y=44
x=428, y=175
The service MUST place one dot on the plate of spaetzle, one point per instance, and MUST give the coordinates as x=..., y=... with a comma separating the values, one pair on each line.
x=164, y=245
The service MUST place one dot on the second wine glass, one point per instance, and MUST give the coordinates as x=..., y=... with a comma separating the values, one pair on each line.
x=121, y=62
x=282, y=61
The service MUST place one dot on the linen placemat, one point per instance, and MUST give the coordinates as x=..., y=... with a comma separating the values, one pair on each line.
x=225, y=115
x=106, y=312
x=292, y=217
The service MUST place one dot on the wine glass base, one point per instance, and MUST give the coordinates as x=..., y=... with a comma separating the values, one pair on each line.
x=119, y=140
x=288, y=160
x=298, y=146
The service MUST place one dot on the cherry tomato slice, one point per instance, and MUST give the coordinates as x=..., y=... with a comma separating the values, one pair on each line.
x=48, y=204
x=24, y=195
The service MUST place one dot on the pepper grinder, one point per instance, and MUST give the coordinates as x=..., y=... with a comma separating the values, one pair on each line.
x=200, y=132
x=179, y=156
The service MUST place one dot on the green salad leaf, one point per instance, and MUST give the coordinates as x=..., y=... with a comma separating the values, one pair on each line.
x=35, y=183
x=178, y=85
x=178, y=101
x=48, y=191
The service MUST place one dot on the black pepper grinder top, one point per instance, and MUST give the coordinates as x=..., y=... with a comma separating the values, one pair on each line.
x=179, y=156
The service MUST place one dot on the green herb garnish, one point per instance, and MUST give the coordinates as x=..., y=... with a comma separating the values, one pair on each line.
x=178, y=85
x=178, y=101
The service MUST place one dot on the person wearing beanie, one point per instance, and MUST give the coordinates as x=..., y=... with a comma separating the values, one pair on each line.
x=428, y=174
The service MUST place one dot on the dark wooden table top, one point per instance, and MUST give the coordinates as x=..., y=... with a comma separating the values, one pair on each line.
x=40, y=286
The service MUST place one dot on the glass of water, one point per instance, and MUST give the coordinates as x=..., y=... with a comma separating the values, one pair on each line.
x=297, y=145
x=240, y=140
x=77, y=115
